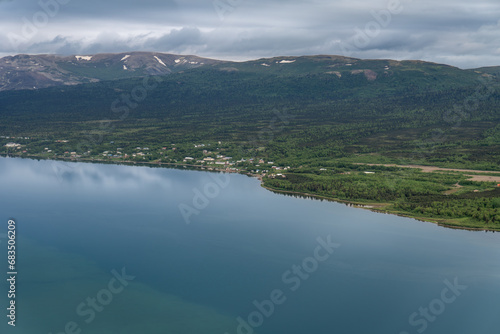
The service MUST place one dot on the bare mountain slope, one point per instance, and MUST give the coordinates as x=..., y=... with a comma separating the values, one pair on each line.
x=40, y=71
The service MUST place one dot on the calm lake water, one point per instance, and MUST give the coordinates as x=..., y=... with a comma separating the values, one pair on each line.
x=107, y=249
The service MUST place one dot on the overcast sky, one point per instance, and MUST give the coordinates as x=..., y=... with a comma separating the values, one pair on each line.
x=464, y=33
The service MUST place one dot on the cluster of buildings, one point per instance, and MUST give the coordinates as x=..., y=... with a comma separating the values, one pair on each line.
x=219, y=160
x=12, y=145
x=7, y=137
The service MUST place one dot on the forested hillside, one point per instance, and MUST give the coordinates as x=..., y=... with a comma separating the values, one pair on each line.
x=412, y=110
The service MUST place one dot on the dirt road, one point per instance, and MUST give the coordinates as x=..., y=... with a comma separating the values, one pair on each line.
x=429, y=169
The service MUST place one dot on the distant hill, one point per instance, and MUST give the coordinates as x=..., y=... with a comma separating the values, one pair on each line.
x=41, y=71
x=492, y=70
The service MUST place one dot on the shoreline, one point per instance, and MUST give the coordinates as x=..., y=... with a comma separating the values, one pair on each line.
x=377, y=208
x=126, y=163
x=373, y=207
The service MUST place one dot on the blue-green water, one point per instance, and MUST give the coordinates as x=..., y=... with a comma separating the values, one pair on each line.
x=80, y=226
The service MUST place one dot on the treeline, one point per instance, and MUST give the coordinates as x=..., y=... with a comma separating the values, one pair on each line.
x=409, y=191
x=378, y=187
x=482, y=207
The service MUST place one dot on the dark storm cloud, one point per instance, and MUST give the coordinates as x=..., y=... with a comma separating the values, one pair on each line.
x=460, y=32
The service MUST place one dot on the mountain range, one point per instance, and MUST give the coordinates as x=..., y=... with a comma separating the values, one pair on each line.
x=42, y=71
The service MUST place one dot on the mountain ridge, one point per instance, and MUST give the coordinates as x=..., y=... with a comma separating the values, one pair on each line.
x=41, y=71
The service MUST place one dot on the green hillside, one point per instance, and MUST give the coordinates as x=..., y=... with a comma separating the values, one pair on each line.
x=350, y=115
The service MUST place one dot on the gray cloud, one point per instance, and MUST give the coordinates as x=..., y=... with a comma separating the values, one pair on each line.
x=176, y=39
x=458, y=32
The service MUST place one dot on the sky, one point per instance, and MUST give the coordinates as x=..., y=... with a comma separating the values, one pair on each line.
x=462, y=33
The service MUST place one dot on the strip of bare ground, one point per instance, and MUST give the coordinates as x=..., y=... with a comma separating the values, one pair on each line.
x=430, y=169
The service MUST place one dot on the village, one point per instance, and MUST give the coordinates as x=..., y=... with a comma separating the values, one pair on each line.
x=165, y=155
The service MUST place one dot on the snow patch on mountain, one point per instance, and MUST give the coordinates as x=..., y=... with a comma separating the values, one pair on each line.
x=160, y=61
x=87, y=58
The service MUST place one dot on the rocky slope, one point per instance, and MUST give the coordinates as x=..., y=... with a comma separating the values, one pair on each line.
x=41, y=71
